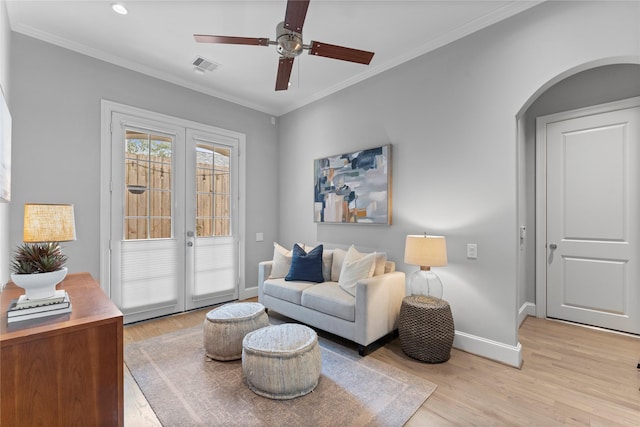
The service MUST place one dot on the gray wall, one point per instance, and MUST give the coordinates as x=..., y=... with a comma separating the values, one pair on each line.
x=56, y=145
x=451, y=117
x=5, y=42
x=587, y=88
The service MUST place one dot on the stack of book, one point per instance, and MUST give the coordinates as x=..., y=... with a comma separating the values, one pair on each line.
x=25, y=309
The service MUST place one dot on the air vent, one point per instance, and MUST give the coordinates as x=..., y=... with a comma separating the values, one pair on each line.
x=204, y=64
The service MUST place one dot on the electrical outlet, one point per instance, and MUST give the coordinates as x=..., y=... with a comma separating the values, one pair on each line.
x=472, y=251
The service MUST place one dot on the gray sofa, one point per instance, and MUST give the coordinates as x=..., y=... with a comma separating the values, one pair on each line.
x=365, y=317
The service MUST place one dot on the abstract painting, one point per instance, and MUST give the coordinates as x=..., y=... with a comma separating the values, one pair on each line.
x=354, y=188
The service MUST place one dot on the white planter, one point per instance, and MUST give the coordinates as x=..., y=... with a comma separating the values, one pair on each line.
x=40, y=285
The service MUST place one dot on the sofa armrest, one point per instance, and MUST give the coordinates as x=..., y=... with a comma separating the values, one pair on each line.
x=264, y=271
x=378, y=301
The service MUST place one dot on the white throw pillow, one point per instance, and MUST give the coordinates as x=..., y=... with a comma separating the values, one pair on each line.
x=336, y=265
x=281, y=262
x=338, y=259
x=355, y=266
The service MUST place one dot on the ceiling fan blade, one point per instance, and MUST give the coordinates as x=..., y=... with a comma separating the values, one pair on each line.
x=295, y=15
x=341, y=53
x=203, y=38
x=284, y=73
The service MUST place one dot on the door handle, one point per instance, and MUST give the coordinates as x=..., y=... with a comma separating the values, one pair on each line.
x=189, y=243
x=553, y=246
x=190, y=234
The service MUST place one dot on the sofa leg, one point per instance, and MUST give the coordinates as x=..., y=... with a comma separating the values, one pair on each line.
x=363, y=349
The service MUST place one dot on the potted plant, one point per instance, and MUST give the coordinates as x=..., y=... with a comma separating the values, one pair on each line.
x=38, y=268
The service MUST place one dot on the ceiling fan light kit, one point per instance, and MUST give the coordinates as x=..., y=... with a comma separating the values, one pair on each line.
x=289, y=43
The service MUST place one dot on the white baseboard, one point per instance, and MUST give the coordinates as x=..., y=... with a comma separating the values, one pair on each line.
x=248, y=293
x=503, y=353
x=527, y=309
x=494, y=350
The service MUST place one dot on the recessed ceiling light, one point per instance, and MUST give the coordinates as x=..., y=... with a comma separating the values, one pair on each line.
x=119, y=8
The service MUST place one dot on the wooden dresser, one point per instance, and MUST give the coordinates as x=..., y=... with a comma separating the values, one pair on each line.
x=64, y=370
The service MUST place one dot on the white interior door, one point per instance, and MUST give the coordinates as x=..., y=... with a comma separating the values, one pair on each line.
x=173, y=222
x=592, y=219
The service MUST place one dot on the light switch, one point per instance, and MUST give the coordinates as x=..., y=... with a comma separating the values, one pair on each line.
x=472, y=251
x=259, y=237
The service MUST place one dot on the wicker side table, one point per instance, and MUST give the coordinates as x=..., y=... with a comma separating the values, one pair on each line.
x=426, y=328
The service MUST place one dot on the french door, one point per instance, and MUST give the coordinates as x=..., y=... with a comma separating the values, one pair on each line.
x=173, y=214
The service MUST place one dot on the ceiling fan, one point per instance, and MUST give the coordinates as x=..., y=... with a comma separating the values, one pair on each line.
x=289, y=43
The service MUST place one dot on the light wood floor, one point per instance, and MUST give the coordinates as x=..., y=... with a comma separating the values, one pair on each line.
x=570, y=375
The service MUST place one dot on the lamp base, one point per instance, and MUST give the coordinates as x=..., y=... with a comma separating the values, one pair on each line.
x=425, y=282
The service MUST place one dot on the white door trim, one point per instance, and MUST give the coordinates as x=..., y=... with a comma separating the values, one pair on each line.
x=110, y=107
x=541, y=186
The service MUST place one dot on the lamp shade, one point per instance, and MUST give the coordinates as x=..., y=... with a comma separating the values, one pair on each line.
x=425, y=251
x=48, y=223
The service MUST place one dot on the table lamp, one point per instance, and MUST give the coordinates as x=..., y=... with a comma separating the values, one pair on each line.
x=45, y=225
x=426, y=252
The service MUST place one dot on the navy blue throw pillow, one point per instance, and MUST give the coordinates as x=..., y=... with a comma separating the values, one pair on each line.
x=306, y=267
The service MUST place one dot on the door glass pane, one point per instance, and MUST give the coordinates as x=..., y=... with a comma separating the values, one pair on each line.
x=213, y=189
x=204, y=226
x=135, y=226
x=148, y=182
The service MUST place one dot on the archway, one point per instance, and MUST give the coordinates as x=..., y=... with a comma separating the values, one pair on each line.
x=591, y=84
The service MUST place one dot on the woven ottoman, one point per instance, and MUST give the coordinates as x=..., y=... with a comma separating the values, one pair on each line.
x=281, y=361
x=226, y=326
x=426, y=328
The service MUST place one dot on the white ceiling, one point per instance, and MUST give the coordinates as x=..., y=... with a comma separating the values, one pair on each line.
x=156, y=38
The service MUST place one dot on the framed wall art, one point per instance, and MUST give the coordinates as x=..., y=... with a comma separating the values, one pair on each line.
x=5, y=150
x=354, y=188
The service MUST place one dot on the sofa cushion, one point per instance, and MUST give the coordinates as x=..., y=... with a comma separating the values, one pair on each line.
x=356, y=266
x=327, y=260
x=389, y=267
x=287, y=291
x=336, y=265
x=330, y=299
x=381, y=262
x=305, y=266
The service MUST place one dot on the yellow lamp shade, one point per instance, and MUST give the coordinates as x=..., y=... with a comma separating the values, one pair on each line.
x=48, y=223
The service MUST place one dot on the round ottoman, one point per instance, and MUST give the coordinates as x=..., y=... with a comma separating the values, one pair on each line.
x=426, y=328
x=281, y=361
x=226, y=326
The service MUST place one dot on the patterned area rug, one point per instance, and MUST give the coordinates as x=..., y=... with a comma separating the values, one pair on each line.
x=185, y=389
